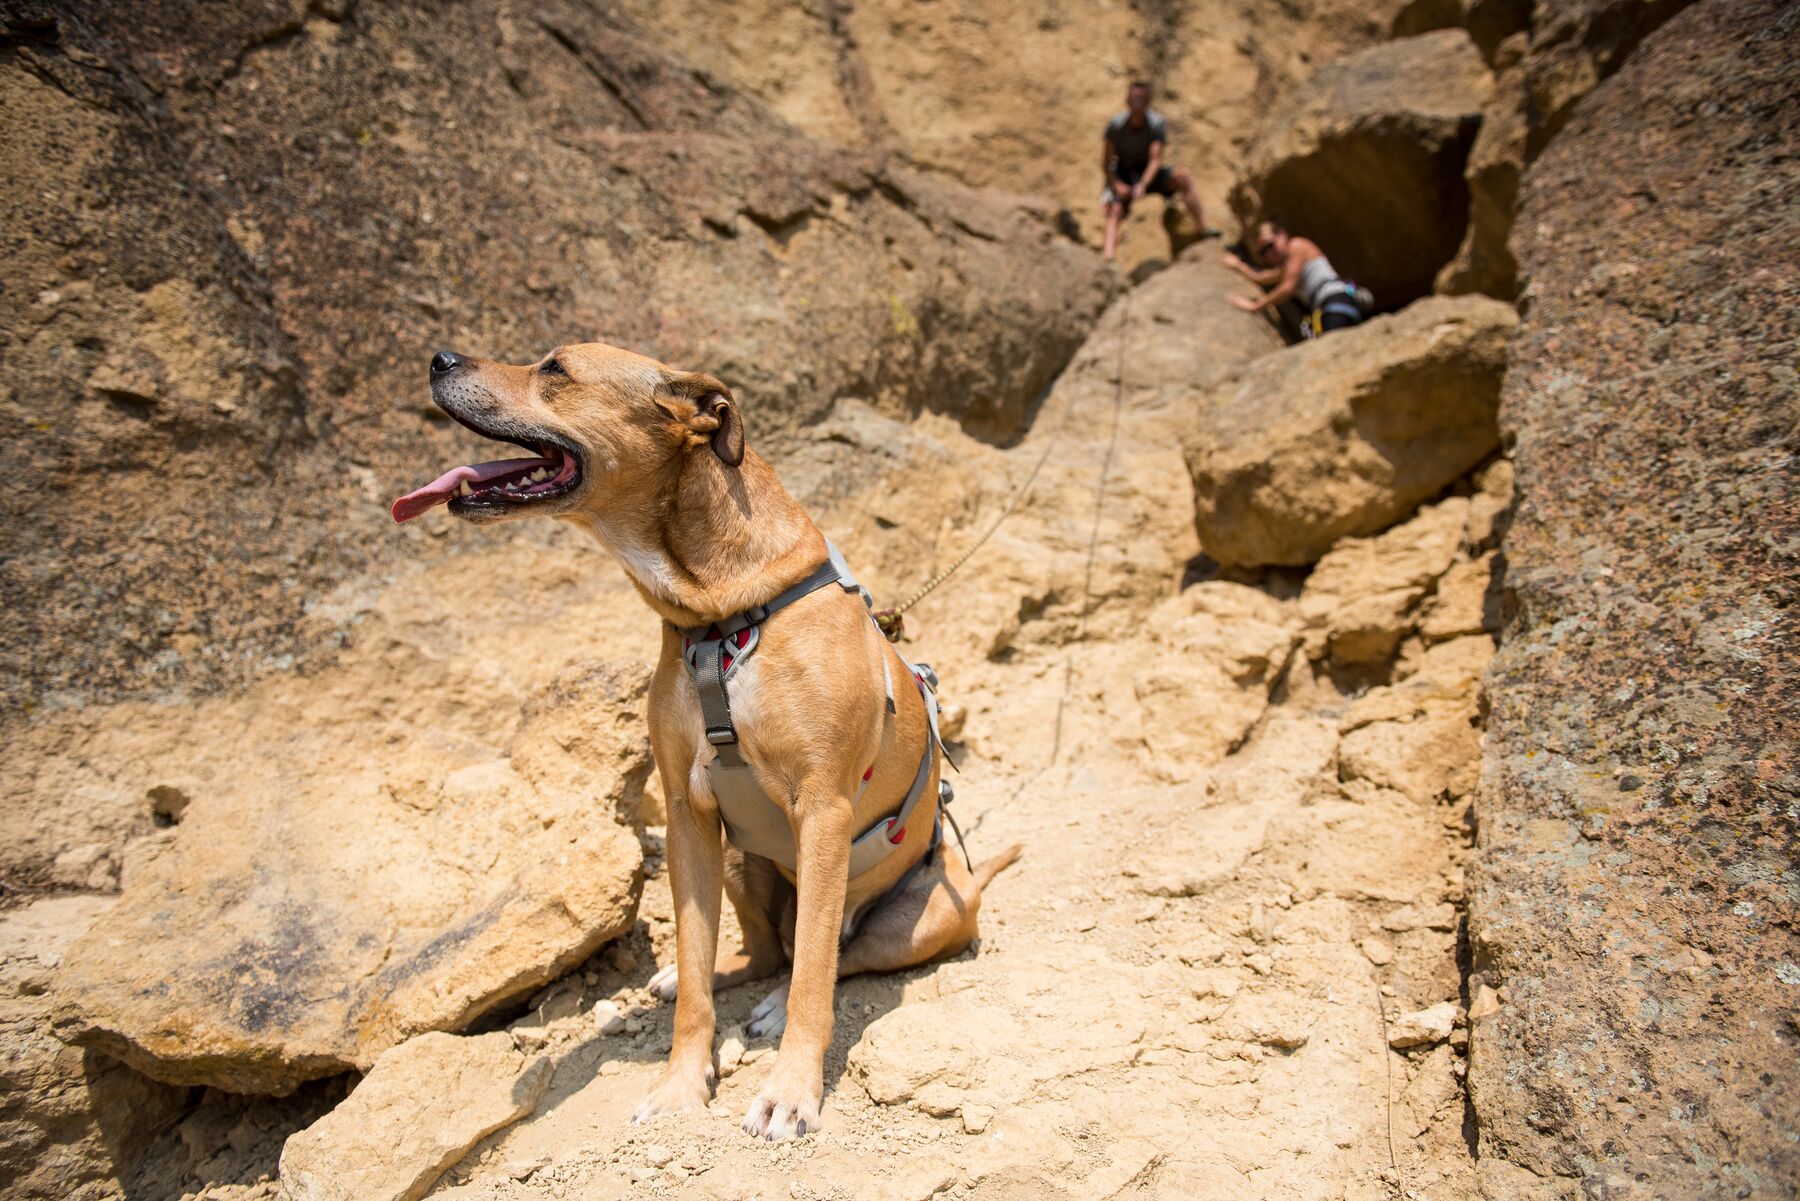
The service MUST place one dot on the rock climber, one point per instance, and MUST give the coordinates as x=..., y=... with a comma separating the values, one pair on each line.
x=1295, y=267
x=1131, y=159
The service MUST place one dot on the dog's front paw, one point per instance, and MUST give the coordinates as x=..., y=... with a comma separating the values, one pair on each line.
x=664, y=983
x=675, y=1093
x=769, y=1018
x=784, y=1109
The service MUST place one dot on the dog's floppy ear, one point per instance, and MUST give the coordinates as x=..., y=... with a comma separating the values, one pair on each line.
x=714, y=412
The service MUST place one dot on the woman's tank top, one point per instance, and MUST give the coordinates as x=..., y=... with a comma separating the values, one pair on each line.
x=1318, y=281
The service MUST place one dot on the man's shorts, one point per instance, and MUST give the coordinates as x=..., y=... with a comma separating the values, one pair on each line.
x=1162, y=183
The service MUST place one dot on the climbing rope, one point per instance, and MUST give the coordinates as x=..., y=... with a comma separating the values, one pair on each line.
x=1087, y=575
x=891, y=621
x=1093, y=546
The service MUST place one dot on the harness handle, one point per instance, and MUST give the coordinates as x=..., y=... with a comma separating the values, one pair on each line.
x=891, y=623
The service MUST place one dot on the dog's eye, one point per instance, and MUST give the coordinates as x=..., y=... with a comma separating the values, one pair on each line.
x=553, y=367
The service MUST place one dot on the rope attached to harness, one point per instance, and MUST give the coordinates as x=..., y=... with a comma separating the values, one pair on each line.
x=891, y=622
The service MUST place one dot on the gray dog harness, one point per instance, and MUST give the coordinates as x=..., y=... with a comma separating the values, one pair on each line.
x=754, y=822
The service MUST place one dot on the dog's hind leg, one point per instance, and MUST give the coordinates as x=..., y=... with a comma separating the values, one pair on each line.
x=933, y=917
x=757, y=892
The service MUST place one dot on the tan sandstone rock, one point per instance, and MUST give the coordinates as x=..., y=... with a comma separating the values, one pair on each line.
x=286, y=935
x=1367, y=157
x=964, y=89
x=1467, y=601
x=1423, y=1027
x=1363, y=597
x=976, y=1047
x=1221, y=648
x=419, y=1110
x=1420, y=737
x=1345, y=435
x=1490, y=507
x=1424, y=16
x=680, y=218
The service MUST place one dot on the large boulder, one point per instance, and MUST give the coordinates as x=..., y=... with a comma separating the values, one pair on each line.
x=241, y=235
x=1366, y=158
x=1630, y=910
x=1347, y=434
x=278, y=935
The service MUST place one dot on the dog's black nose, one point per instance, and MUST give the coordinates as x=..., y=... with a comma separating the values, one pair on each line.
x=445, y=360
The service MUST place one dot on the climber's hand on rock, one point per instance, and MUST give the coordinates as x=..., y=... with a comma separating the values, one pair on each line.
x=1245, y=303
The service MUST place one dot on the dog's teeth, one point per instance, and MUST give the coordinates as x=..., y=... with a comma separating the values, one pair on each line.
x=539, y=474
x=463, y=489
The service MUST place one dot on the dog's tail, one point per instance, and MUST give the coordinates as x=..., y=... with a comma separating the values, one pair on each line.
x=985, y=871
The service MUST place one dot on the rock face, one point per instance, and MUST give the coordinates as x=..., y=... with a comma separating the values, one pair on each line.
x=1631, y=911
x=1577, y=43
x=1367, y=158
x=1346, y=435
x=1483, y=262
x=280, y=936
x=1014, y=95
x=424, y=1104
x=224, y=297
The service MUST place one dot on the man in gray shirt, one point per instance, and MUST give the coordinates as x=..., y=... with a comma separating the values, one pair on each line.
x=1131, y=159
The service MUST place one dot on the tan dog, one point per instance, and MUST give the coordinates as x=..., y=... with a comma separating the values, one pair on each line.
x=652, y=462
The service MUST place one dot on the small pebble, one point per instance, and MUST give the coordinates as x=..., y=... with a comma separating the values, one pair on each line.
x=731, y=1053
x=608, y=1019
x=1379, y=951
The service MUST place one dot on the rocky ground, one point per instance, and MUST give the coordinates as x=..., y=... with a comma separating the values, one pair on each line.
x=332, y=855
x=1244, y=824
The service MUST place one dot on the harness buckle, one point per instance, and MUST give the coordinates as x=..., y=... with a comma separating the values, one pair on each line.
x=721, y=735
x=756, y=614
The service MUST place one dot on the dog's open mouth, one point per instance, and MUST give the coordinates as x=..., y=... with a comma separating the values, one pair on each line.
x=504, y=483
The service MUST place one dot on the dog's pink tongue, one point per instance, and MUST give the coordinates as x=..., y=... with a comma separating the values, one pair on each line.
x=439, y=491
